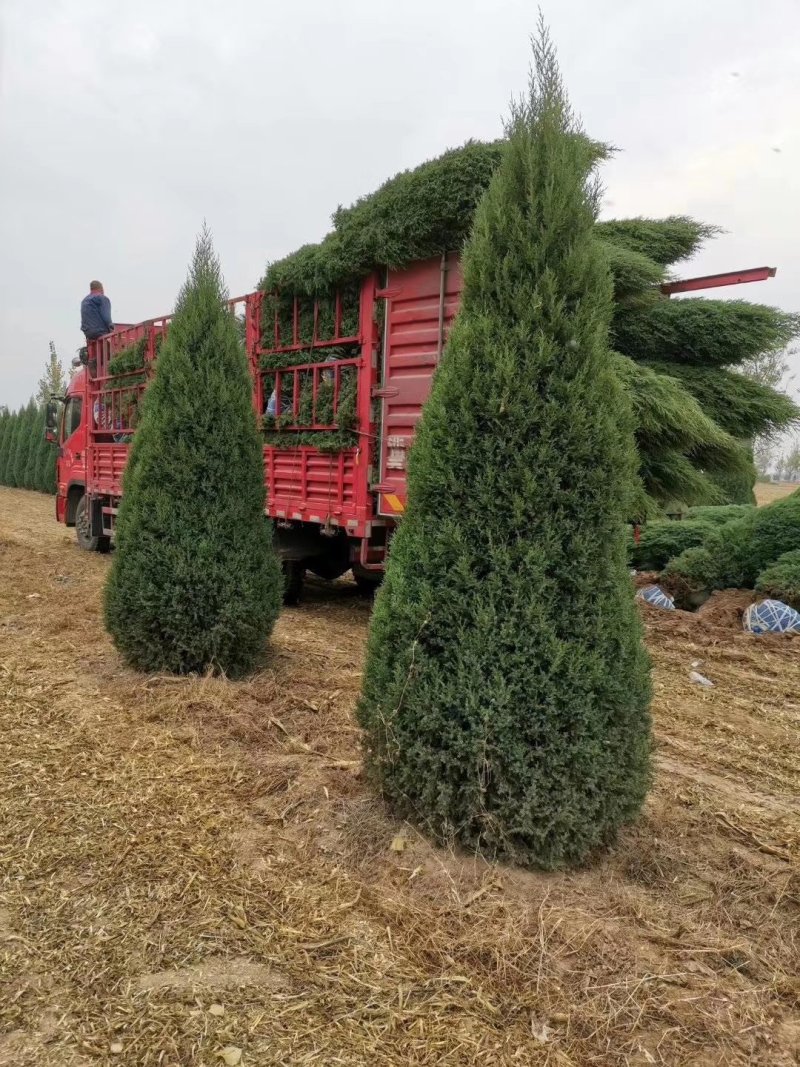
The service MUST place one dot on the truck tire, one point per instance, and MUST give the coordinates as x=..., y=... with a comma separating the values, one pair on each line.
x=83, y=530
x=367, y=582
x=294, y=573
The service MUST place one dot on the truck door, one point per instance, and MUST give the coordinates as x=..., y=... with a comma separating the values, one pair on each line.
x=421, y=303
x=71, y=451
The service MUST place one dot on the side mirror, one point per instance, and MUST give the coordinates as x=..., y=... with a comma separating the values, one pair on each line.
x=51, y=422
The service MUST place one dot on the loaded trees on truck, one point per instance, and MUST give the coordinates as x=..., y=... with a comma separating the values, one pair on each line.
x=352, y=370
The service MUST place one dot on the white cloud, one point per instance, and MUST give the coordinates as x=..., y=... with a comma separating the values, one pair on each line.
x=123, y=127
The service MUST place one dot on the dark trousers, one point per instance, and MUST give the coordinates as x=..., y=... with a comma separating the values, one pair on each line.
x=84, y=354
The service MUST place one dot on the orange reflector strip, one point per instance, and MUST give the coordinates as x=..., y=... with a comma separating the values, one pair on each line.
x=394, y=502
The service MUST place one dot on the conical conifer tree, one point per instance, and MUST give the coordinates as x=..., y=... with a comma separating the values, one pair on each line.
x=5, y=426
x=27, y=417
x=18, y=434
x=46, y=470
x=8, y=447
x=195, y=583
x=35, y=448
x=506, y=691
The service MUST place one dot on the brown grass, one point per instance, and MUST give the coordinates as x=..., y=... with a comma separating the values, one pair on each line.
x=194, y=865
x=766, y=492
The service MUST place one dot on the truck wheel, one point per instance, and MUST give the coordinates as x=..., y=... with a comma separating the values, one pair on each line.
x=83, y=530
x=367, y=583
x=294, y=573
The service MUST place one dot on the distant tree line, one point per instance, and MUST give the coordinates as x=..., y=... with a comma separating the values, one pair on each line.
x=27, y=461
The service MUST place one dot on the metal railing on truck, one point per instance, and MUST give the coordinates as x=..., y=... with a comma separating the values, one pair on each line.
x=315, y=363
x=321, y=361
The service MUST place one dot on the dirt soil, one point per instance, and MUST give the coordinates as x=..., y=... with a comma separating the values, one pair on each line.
x=192, y=871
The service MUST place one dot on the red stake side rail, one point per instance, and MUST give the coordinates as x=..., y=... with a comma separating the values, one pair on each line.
x=306, y=484
x=112, y=405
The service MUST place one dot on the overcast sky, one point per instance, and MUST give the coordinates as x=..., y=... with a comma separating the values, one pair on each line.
x=123, y=126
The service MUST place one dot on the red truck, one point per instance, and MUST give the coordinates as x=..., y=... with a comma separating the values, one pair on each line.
x=333, y=508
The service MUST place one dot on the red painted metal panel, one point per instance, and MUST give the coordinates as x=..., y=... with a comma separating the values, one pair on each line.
x=421, y=303
x=312, y=486
x=111, y=411
x=715, y=281
x=304, y=483
x=108, y=464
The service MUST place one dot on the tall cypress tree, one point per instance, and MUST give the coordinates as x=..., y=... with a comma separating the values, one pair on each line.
x=7, y=459
x=31, y=480
x=195, y=582
x=506, y=689
x=22, y=444
x=9, y=442
x=46, y=471
x=5, y=426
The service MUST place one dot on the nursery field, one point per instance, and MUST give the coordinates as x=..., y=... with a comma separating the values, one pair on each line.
x=193, y=872
x=766, y=492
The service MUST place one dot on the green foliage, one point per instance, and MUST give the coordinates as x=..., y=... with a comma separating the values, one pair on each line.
x=18, y=432
x=322, y=440
x=195, y=583
x=506, y=686
x=131, y=358
x=22, y=444
x=714, y=333
x=278, y=431
x=284, y=303
x=43, y=469
x=53, y=382
x=46, y=471
x=664, y=241
x=680, y=447
x=9, y=448
x=667, y=415
x=127, y=374
x=670, y=475
x=429, y=209
x=741, y=406
x=663, y=540
x=632, y=272
x=35, y=443
x=740, y=550
x=417, y=214
x=6, y=423
x=276, y=360
x=719, y=515
x=737, y=484
x=781, y=579
x=689, y=577
x=27, y=461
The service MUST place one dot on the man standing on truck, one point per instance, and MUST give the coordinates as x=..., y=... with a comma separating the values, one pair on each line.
x=95, y=315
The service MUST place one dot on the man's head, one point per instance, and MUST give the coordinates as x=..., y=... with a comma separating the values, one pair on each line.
x=96, y=287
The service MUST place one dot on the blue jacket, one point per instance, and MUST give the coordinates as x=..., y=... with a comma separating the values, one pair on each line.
x=96, y=316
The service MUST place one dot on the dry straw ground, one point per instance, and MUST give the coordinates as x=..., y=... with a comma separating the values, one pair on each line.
x=766, y=492
x=192, y=871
